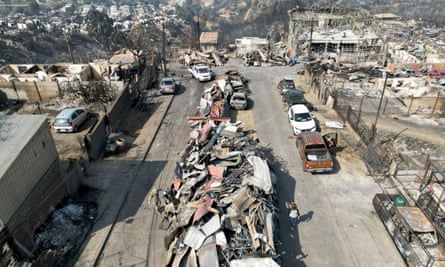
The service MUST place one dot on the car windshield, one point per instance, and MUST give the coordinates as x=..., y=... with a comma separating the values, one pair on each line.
x=302, y=117
x=203, y=70
x=239, y=98
x=167, y=82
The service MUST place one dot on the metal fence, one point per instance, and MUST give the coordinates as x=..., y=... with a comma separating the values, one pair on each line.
x=368, y=148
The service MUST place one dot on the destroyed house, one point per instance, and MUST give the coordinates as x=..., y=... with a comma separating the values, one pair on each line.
x=208, y=41
x=337, y=32
x=250, y=44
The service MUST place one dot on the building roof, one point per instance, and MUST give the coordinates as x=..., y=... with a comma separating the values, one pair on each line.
x=208, y=38
x=15, y=133
x=126, y=58
x=386, y=16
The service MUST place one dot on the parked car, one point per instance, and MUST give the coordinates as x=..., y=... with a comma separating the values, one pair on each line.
x=70, y=119
x=407, y=69
x=435, y=73
x=440, y=42
x=404, y=71
x=238, y=100
x=201, y=72
x=314, y=150
x=286, y=84
x=301, y=119
x=167, y=86
x=378, y=72
x=293, y=97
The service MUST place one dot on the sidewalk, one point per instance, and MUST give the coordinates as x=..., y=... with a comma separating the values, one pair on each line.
x=114, y=177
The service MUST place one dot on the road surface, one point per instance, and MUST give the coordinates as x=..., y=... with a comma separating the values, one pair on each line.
x=338, y=226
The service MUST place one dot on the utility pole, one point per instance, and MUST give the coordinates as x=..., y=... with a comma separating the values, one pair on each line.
x=164, y=60
x=374, y=126
x=199, y=32
x=68, y=47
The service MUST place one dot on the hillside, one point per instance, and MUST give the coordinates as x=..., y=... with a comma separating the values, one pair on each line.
x=232, y=18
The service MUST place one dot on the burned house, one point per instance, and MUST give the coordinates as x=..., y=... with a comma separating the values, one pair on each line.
x=338, y=31
x=208, y=41
x=250, y=44
x=31, y=179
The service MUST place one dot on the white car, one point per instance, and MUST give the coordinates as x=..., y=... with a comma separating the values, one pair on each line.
x=70, y=119
x=201, y=72
x=301, y=119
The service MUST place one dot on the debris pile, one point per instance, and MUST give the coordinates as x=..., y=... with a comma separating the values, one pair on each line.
x=196, y=57
x=260, y=57
x=61, y=235
x=237, y=88
x=213, y=103
x=220, y=208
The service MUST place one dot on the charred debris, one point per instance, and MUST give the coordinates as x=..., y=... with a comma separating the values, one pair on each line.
x=220, y=209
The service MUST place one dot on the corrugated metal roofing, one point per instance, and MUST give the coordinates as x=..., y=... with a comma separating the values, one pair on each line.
x=15, y=133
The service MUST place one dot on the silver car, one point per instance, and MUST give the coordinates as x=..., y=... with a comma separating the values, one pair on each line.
x=70, y=119
x=167, y=86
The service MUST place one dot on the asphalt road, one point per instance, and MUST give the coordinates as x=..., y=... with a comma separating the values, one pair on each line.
x=338, y=226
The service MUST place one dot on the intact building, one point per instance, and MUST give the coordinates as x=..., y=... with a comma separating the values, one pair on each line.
x=31, y=180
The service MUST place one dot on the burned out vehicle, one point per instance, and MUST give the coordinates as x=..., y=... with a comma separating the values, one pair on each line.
x=238, y=101
x=413, y=234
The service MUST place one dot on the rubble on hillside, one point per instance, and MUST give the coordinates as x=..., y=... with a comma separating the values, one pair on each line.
x=192, y=57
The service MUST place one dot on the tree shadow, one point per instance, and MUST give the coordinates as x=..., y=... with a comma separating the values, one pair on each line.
x=306, y=217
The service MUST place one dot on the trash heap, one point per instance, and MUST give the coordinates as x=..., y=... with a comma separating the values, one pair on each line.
x=220, y=209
